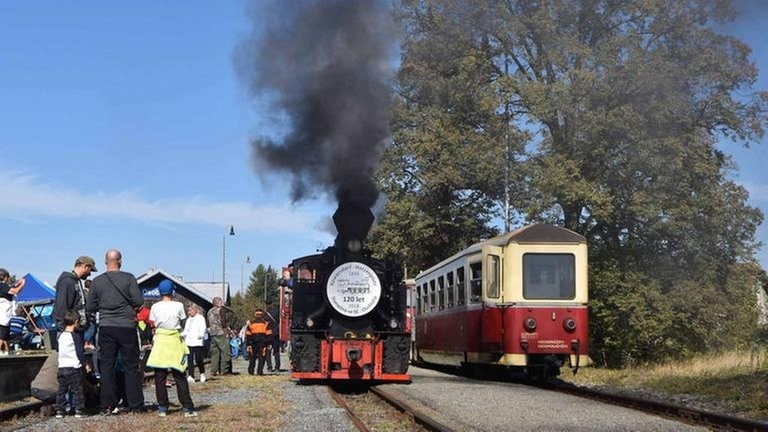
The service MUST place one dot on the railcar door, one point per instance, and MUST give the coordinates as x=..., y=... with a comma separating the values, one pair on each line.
x=492, y=317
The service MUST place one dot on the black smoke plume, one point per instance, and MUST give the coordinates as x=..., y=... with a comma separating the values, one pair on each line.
x=327, y=66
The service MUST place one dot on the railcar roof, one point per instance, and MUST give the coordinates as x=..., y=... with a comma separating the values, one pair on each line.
x=537, y=233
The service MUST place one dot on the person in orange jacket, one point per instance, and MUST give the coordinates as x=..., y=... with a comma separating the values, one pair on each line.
x=257, y=336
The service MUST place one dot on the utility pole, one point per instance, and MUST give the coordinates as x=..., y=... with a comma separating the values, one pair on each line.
x=507, y=152
x=265, y=287
x=231, y=229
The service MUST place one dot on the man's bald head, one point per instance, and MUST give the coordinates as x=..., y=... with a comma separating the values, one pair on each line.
x=113, y=259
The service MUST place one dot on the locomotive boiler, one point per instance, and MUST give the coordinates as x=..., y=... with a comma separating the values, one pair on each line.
x=348, y=315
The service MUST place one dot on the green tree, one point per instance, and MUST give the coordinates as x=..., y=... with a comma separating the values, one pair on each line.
x=609, y=113
x=263, y=278
x=244, y=304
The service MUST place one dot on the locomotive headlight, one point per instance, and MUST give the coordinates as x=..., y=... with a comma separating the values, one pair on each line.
x=310, y=323
x=569, y=325
x=393, y=323
x=529, y=324
x=354, y=245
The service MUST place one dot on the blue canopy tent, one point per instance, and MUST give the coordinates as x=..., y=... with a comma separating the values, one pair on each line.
x=37, y=298
x=35, y=292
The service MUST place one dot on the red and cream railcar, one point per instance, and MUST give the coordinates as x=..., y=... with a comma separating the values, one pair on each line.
x=518, y=300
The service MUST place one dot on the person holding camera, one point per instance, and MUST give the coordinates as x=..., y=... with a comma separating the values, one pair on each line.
x=7, y=293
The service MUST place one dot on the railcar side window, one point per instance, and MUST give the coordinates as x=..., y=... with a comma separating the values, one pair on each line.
x=418, y=300
x=475, y=287
x=493, y=276
x=432, y=299
x=441, y=293
x=461, y=285
x=451, y=287
x=424, y=298
x=549, y=276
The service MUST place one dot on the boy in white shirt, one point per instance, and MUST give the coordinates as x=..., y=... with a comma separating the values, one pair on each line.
x=71, y=361
x=169, y=350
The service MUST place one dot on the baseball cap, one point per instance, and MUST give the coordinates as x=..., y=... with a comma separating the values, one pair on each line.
x=165, y=287
x=4, y=273
x=84, y=259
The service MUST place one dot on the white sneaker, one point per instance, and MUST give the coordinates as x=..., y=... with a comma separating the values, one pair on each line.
x=4, y=354
x=190, y=380
x=202, y=378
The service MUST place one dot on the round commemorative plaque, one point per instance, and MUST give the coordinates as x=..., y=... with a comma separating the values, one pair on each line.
x=353, y=289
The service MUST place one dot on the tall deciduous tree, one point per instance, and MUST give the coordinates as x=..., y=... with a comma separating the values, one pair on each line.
x=608, y=113
x=261, y=278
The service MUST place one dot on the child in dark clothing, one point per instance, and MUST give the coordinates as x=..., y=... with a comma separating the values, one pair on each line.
x=71, y=361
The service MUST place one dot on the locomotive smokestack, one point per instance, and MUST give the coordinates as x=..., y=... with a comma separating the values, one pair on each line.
x=352, y=224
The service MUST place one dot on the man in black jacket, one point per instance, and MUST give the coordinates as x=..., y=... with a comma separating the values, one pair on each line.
x=273, y=320
x=115, y=295
x=69, y=291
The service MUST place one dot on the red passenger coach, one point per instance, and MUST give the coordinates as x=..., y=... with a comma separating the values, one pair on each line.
x=517, y=301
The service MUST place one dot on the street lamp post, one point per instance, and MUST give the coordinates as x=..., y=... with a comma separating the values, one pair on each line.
x=224, y=262
x=242, y=269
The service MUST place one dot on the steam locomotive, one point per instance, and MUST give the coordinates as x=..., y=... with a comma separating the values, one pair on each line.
x=348, y=316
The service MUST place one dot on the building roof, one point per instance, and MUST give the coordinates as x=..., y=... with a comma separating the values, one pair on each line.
x=198, y=292
x=211, y=290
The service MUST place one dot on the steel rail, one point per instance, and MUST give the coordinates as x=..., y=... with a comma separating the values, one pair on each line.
x=419, y=416
x=350, y=412
x=32, y=407
x=21, y=410
x=689, y=415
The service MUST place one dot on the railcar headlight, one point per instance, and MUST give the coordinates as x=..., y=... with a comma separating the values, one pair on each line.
x=529, y=324
x=393, y=323
x=569, y=324
x=310, y=323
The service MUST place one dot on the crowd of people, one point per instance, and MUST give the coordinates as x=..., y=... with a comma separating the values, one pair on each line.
x=108, y=318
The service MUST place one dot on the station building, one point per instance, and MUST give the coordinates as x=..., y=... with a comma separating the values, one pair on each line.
x=198, y=293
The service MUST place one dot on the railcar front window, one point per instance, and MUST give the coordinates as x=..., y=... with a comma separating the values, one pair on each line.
x=549, y=276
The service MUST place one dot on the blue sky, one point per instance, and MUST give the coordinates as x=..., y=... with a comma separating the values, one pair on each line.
x=124, y=125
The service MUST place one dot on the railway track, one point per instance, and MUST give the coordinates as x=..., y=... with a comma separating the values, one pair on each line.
x=43, y=408
x=424, y=421
x=694, y=416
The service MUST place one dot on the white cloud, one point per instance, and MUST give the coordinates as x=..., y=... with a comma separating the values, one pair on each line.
x=25, y=197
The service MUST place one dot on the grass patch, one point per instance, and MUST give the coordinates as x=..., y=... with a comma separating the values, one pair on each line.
x=736, y=381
